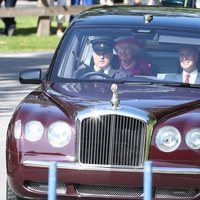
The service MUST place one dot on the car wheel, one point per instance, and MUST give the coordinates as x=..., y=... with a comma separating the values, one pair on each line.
x=10, y=195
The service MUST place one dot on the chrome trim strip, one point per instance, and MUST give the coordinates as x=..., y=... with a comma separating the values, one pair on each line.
x=107, y=110
x=173, y=170
x=76, y=166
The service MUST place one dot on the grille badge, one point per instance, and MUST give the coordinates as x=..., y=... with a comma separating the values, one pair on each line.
x=115, y=99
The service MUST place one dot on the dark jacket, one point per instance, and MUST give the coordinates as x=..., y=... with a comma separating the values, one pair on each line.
x=113, y=73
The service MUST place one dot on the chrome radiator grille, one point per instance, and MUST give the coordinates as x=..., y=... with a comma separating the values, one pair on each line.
x=112, y=140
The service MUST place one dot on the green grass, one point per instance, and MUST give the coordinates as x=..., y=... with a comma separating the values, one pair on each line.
x=25, y=38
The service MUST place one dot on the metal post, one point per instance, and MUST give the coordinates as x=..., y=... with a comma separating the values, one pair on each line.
x=148, y=180
x=185, y=3
x=52, y=181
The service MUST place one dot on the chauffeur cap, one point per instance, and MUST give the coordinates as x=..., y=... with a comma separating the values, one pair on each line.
x=102, y=45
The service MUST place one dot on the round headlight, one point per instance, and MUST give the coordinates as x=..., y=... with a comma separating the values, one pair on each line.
x=168, y=139
x=59, y=134
x=192, y=138
x=33, y=131
x=18, y=129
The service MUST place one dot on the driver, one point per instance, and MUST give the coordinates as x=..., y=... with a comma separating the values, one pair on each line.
x=102, y=61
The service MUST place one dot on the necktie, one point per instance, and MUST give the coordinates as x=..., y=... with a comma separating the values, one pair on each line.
x=187, y=78
x=101, y=71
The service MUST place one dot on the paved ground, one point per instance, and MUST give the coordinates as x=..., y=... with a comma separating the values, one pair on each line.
x=11, y=93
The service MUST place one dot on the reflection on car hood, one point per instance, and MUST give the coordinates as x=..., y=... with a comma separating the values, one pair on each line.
x=158, y=100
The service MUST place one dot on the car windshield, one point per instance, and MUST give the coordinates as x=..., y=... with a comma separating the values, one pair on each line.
x=128, y=54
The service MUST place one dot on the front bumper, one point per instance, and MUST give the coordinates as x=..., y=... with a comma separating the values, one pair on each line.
x=30, y=179
x=77, y=166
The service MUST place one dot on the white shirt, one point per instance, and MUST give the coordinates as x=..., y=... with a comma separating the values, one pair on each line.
x=193, y=76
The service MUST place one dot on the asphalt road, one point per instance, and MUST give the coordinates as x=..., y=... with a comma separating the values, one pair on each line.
x=12, y=92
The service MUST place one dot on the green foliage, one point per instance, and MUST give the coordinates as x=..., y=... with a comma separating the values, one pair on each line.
x=25, y=38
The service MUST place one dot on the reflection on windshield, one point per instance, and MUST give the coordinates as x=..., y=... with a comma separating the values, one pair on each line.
x=124, y=55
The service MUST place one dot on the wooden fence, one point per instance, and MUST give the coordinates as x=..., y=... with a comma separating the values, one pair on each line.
x=44, y=11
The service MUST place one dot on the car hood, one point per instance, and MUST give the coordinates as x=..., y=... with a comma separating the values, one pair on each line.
x=158, y=100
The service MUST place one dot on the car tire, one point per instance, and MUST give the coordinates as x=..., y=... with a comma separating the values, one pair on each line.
x=10, y=195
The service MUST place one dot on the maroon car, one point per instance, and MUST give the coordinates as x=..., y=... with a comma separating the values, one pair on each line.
x=101, y=127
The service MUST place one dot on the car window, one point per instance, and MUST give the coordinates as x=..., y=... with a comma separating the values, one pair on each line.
x=156, y=54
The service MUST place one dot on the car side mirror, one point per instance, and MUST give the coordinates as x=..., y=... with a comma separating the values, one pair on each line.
x=32, y=76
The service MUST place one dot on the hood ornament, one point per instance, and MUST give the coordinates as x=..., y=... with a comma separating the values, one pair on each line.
x=115, y=100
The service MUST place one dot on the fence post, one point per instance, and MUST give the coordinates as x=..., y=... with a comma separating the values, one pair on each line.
x=52, y=181
x=148, y=180
x=44, y=22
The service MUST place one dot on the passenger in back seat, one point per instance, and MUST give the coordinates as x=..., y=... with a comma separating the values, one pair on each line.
x=129, y=52
x=188, y=58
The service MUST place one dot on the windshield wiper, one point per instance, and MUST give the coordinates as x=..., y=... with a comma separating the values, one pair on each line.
x=133, y=81
x=179, y=84
x=174, y=84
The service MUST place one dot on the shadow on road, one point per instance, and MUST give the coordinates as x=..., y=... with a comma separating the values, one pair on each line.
x=11, y=91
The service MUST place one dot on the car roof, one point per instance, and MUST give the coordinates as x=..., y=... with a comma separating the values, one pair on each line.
x=125, y=15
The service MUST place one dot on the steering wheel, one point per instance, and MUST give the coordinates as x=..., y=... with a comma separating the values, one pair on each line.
x=90, y=74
